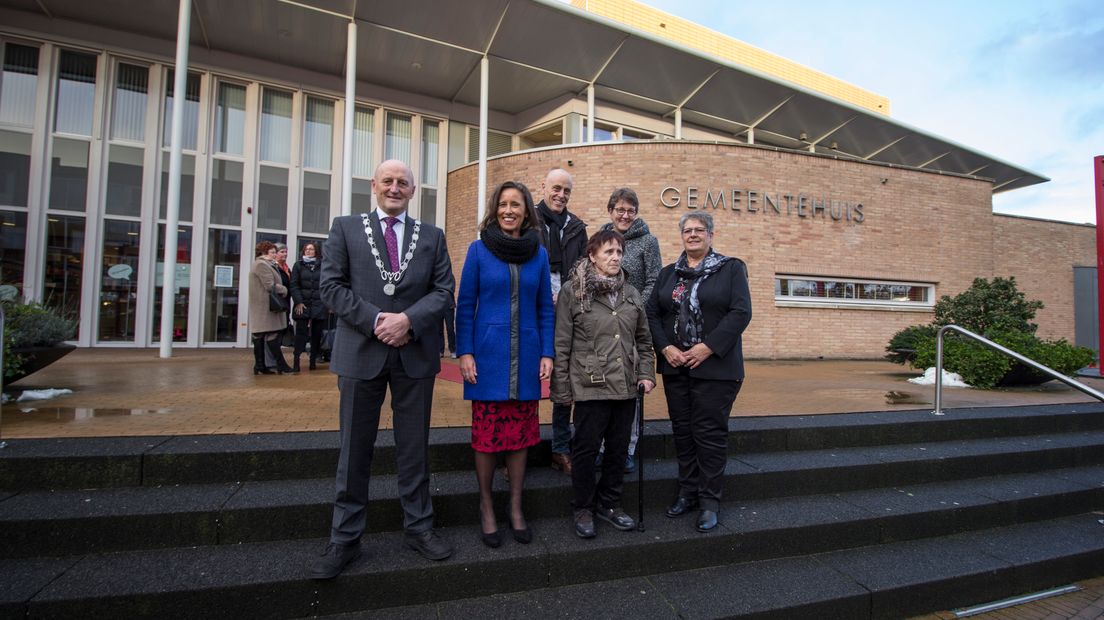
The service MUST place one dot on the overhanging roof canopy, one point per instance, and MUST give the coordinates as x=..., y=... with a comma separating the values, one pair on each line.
x=539, y=50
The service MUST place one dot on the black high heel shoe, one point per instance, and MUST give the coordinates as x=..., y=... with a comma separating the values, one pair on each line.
x=493, y=540
x=263, y=371
x=523, y=536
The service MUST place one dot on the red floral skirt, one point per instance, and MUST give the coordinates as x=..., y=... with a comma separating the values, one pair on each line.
x=500, y=426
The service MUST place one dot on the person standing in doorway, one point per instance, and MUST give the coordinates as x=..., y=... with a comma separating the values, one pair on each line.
x=388, y=279
x=564, y=238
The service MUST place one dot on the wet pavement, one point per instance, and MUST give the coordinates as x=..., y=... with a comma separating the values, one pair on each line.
x=129, y=392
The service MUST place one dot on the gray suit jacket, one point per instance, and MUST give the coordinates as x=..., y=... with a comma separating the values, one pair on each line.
x=352, y=287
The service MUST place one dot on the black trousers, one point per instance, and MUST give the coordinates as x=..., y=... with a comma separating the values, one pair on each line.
x=311, y=328
x=361, y=400
x=699, y=410
x=271, y=342
x=595, y=421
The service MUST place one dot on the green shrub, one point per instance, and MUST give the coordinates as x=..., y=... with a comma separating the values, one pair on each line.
x=31, y=325
x=977, y=365
x=984, y=368
x=902, y=346
x=34, y=325
x=985, y=307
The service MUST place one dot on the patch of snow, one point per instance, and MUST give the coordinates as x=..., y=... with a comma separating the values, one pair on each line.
x=950, y=379
x=42, y=394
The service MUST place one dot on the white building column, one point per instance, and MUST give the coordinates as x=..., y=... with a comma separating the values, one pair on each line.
x=172, y=209
x=590, y=113
x=484, y=100
x=350, y=115
x=678, y=123
x=751, y=135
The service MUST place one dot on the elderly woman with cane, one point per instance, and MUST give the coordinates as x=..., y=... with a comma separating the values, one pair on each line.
x=698, y=310
x=603, y=352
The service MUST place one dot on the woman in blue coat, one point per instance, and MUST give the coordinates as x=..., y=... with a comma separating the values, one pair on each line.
x=504, y=325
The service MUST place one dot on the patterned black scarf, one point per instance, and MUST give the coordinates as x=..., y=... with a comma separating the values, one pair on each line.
x=689, y=322
x=588, y=284
x=510, y=249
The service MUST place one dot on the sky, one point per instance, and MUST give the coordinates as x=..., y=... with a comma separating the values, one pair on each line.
x=1020, y=80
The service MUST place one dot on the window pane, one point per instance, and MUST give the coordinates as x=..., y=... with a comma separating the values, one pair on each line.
x=128, y=119
x=13, y=253
x=276, y=126
x=76, y=92
x=64, y=262
x=191, y=110
x=316, y=202
x=364, y=131
x=119, y=281
x=318, y=134
x=362, y=196
x=15, y=168
x=187, y=186
x=272, y=198
x=18, y=84
x=430, y=141
x=230, y=119
x=226, y=192
x=181, y=285
x=124, y=181
x=429, y=206
x=397, y=138
x=223, y=259
x=68, y=175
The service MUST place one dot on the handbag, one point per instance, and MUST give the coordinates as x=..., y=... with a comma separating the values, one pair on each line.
x=277, y=302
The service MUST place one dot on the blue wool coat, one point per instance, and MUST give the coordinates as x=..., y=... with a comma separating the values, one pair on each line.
x=483, y=323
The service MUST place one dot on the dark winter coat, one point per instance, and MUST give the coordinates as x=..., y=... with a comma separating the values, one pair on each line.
x=304, y=290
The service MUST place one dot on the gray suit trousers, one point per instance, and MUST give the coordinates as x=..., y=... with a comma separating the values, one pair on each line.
x=361, y=400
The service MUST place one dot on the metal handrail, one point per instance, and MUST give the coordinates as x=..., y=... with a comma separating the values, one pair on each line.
x=999, y=349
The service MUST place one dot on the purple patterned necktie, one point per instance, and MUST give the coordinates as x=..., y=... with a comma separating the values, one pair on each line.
x=392, y=242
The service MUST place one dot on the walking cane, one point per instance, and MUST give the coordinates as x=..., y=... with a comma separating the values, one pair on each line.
x=640, y=457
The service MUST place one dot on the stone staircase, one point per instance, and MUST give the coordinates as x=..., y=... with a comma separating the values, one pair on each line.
x=871, y=515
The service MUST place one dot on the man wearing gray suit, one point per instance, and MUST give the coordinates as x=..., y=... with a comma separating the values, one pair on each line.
x=388, y=278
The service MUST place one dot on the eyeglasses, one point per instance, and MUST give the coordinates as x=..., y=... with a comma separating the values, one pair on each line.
x=624, y=212
x=694, y=231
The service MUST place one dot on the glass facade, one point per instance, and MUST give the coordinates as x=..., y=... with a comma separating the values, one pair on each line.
x=119, y=281
x=15, y=168
x=181, y=285
x=17, y=85
x=84, y=159
x=797, y=288
x=64, y=264
x=223, y=276
x=13, y=249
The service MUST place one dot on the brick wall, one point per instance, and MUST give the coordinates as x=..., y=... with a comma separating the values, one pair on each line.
x=1042, y=255
x=917, y=226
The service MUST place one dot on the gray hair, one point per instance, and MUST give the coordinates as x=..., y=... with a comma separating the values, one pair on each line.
x=280, y=246
x=704, y=218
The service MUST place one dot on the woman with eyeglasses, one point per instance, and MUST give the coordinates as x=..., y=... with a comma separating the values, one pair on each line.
x=698, y=310
x=641, y=263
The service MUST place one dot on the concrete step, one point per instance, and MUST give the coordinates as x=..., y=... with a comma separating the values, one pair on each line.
x=893, y=580
x=669, y=569
x=65, y=522
x=154, y=461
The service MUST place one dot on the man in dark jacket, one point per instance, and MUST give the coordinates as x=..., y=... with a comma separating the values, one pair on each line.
x=564, y=237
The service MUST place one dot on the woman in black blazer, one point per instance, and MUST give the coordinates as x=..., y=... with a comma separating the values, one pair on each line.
x=697, y=311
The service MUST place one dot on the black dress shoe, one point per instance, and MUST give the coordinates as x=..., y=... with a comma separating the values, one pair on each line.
x=493, y=540
x=429, y=544
x=334, y=560
x=681, y=506
x=707, y=520
x=263, y=371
